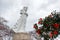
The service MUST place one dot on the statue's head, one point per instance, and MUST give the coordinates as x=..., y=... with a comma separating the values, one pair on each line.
x=25, y=9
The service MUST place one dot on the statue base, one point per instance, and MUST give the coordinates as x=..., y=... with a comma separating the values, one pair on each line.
x=21, y=36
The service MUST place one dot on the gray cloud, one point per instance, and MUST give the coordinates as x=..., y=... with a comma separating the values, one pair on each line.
x=45, y=5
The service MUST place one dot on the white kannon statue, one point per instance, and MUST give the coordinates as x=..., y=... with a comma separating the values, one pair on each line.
x=21, y=23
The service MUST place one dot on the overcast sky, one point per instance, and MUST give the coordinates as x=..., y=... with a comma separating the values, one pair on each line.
x=10, y=9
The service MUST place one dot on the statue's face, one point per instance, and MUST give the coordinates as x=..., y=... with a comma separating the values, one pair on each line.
x=25, y=8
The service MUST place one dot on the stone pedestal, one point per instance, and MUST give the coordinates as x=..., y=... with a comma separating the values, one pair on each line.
x=21, y=36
